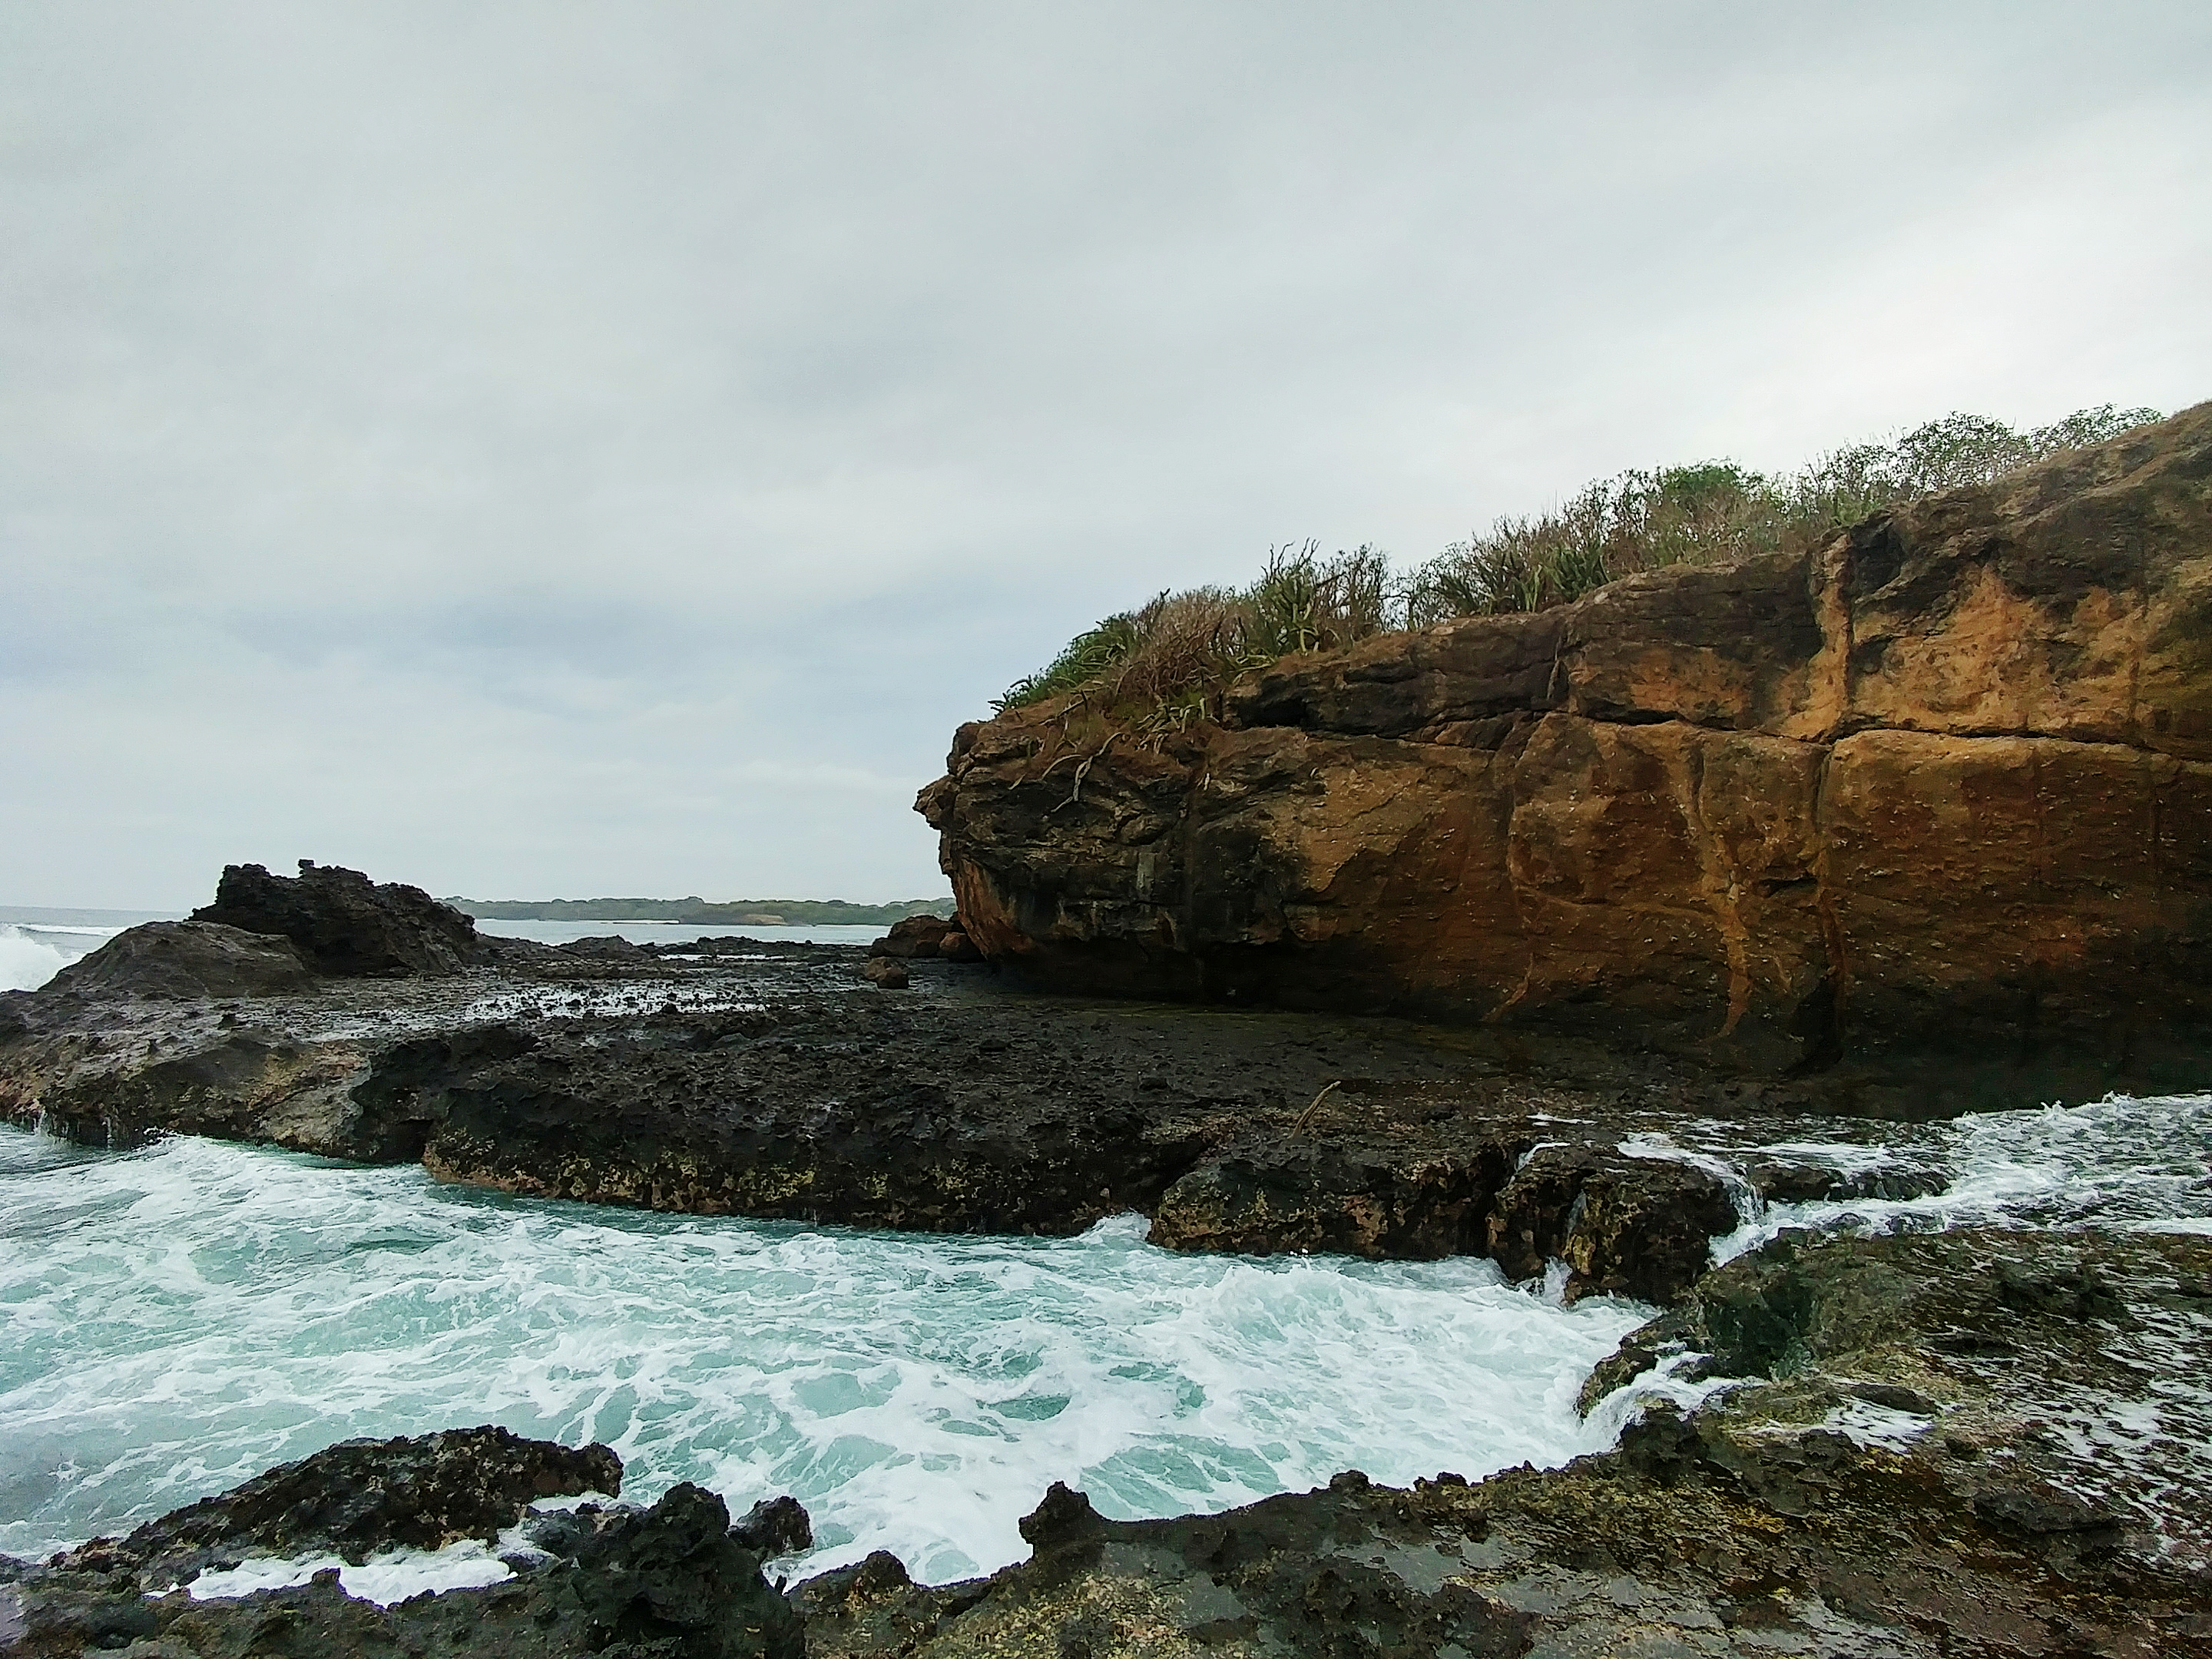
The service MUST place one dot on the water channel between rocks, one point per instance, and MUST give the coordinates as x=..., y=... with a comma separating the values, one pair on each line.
x=179, y=1318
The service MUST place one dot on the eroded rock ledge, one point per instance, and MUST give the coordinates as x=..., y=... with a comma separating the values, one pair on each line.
x=781, y=1089
x=1940, y=793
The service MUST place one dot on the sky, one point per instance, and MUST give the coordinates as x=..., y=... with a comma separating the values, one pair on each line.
x=534, y=450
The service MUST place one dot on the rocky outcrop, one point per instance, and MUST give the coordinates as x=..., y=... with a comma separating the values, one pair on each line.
x=674, y=1580
x=345, y=924
x=187, y=959
x=358, y=1497
x=1938, y=795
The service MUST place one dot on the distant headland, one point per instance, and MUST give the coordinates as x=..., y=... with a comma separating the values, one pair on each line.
x=744, y=913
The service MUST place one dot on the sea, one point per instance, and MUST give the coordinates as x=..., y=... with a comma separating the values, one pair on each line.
x=179, y=1317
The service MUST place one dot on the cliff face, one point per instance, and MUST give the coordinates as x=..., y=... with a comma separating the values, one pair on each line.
x=1943, y=787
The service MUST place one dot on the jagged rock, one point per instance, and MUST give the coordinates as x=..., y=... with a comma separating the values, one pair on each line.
x=1626, y=1226
x=1252, y=1132
x=669, y=1582
x=360, y=1496
x=776, y=1526
x=1925, y=809
x=182, y=959
x=345, y=924
x=1359, y=1202
x=957, y=946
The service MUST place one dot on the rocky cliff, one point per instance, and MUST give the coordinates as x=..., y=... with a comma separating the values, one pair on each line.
x=1941, y=790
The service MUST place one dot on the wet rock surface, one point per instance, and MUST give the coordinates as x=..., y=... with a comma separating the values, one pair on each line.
x=673, y=1579
x=770, y=1082
x=357, y=1497
x=184, y=960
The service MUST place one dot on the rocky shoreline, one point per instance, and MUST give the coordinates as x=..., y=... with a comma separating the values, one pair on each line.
x=1979, y=1443
x=1969, y=1444
x=768, y=1081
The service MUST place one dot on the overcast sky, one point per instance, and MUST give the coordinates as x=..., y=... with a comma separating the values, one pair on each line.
x=536, y=450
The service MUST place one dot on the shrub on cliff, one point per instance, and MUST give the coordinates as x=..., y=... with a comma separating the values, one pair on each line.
x=1161, y=668
x=1716, y=511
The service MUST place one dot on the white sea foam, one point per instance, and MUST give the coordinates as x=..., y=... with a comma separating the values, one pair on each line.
x=2120, y=1162
x=27, y=961
x=390, y=1577
x=180, y=1318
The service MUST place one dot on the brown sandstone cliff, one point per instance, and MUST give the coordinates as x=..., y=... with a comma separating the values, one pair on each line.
x=1942, y=788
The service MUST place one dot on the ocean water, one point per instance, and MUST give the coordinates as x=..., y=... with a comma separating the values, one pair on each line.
x=177, y=1319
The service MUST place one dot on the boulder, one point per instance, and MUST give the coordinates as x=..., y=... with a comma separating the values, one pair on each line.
x=673, y=1580
x=345, y=924
x=884, y=973
x=913, y=936
x=188, y=959
x=776, y=1526
x=957, y=946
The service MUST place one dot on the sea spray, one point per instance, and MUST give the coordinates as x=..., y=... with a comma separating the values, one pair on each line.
x=27, y=960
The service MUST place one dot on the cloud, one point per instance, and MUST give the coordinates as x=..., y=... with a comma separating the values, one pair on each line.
x=533, y=448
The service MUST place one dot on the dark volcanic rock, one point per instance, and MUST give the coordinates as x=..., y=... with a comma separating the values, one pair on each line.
x=952, y=1107
x=1368, y=1201
x=360, y=1496
x=345, y=924
x=776, y=1526
x=1627, y=1227
x=611, y=948
x=184, y=959
x=669, y=1582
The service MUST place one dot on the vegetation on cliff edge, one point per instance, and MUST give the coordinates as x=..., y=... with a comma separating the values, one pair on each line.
x=1162, y=667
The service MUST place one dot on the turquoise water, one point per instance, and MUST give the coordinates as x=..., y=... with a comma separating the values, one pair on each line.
x=180, y=1318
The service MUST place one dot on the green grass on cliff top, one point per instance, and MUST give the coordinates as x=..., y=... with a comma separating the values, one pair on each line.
x=1162, y=667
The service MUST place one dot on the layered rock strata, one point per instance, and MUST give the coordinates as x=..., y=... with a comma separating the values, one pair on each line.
x=1941, y=790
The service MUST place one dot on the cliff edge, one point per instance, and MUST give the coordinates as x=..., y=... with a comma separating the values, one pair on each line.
x=1935, y=799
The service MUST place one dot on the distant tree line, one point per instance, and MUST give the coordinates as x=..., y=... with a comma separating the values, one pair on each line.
x=752, y=913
